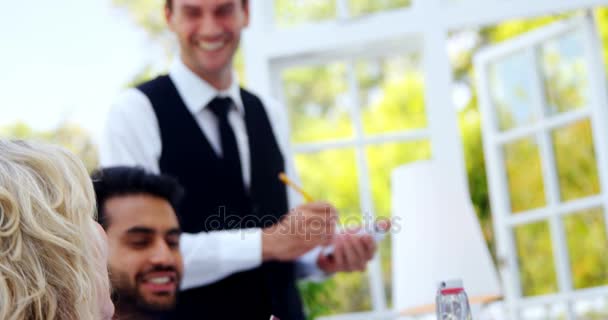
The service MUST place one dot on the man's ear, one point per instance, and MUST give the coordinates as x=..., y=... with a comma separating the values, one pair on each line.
x=169, y=17
x=245, y=4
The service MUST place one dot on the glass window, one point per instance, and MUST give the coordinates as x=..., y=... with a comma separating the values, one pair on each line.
x=293, y=12
x=524, y=175
x=391, y=94
x=318, y=103
x=326, y=181
x=565, y=74
x=575, y=161
x=535, y=256
x=510, y=80
x=362, y=7
x=338, y=185
x=587, y=248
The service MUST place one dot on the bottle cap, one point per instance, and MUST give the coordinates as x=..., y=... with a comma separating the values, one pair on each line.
x=451, y=286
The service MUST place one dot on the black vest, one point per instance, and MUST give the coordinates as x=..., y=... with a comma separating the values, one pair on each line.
x=211, y=203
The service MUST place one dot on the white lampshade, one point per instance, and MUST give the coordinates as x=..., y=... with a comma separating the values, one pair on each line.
x=437, y=237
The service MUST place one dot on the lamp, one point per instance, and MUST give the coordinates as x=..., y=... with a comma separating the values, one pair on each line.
x=436, y=236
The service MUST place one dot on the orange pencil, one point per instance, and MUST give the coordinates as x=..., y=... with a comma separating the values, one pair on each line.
x=285, y=179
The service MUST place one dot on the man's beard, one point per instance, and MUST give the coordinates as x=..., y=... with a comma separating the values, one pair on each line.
x=126, y=296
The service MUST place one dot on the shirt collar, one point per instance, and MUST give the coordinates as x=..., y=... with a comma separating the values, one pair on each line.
x=196, y=92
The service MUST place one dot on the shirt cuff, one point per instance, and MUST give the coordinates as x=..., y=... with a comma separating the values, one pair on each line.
x=308, y=269
x=212, y=256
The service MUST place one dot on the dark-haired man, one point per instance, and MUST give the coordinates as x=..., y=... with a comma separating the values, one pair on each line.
x=136, y=209
x=226, y=146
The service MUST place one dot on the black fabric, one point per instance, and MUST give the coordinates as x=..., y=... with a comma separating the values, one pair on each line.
x=230, y=151
x=213, y=201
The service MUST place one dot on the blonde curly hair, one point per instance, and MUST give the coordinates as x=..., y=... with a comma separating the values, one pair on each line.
x=49, y=245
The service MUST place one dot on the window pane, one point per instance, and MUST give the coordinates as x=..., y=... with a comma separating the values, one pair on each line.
x=293, y=12
x=337, y=184
x=353, y=288
x=318, y=103
x=535, y=257
x=524, y=175
x=575, y=160
x=391, y=93
x=341, y=293
x=510, y=80
x=565, y=74
x=382, y=159
x=587, y=247
x=361, y=7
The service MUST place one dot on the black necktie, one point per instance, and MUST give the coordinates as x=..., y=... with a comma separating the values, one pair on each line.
x=230, y=151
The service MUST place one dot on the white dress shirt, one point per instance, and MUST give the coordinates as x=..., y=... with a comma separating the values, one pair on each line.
x=131, y=137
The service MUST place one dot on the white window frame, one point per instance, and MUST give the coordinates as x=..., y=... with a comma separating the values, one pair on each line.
x=422, y=27
x=360, y=141
x=540, y=130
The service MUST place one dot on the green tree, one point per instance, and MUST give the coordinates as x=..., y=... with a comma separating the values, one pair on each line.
x=69, y=136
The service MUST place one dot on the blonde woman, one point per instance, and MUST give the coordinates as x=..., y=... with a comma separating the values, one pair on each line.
x=52, y=254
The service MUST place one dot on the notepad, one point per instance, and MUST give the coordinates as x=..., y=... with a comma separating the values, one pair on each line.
x=377, y=233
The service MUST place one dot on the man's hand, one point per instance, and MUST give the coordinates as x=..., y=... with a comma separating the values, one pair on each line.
x=352, y=250
x=303, y=229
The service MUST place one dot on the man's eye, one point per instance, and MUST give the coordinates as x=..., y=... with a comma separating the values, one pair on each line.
x=225, y=11
x=191, y=12
x=138, y=243
x=173, y=243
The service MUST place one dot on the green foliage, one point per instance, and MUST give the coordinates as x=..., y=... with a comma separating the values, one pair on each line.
x=401, y=106
x=294, y=12
x=525, y=186
x=358, y=7
x=69, y=136
x=470, y=127
x=397, y=104
x=315, y=112
x=576, y=162
x=537, y=270
x=601, y=16
x=586, y=230
x=317, y=292
x=392, y=98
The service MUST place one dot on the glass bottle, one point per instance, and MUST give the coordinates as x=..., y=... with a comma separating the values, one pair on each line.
x=452, y=301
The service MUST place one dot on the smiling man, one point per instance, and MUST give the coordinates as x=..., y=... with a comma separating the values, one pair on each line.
x=136, y=209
